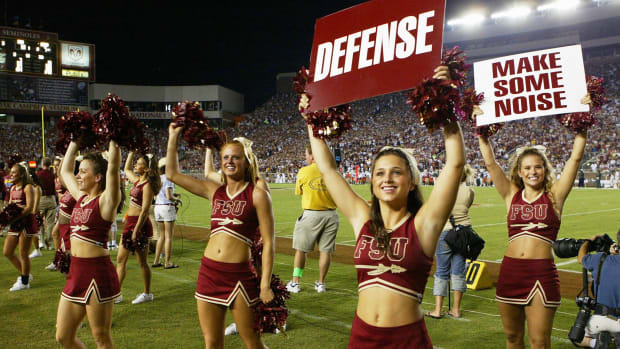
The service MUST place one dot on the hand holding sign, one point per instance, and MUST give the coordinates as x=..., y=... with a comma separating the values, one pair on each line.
x=579, y=122
x=531, y=84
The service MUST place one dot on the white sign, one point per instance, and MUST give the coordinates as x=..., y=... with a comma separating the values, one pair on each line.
x=75, y=55
x=532, y=84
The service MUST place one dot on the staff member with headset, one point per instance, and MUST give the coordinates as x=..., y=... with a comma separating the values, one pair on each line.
x=606, y=316
x=318, y=223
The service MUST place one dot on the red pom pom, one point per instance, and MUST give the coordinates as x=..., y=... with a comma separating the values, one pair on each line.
x=62, y=261
x=301, y=80
x=469, y=100
x=78, y=127
x=196, y=130
x=596, y=92
x=330, y=123
x=434, y=101
x=455, y=60
x=272, y=316
x=487, y=131
x=576, y=122
x=9, y=213
x=140, y=243
x=113, y=122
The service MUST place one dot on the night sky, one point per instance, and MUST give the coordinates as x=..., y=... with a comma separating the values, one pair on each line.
x=238, y=44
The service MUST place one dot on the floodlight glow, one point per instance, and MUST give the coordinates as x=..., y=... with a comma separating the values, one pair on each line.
x=515, y=12
x=471, y=19
x=559, y=5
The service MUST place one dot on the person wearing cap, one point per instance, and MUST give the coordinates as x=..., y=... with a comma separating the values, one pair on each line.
x=318, y=224
x=165, y=216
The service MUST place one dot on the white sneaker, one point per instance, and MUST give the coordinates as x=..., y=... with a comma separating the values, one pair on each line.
x=293, y=287
x=143, y=298
x=278, y=330
x=36, y=253
x=118, y=299
x=231, y=330
x=114, y=246
x=319, y=287
x=51, y=267
x=41, y=245
x=18, y=286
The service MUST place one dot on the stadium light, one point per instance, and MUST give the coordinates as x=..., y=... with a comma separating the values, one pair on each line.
x=559, y=5
x=471, y=19
x=515, y=12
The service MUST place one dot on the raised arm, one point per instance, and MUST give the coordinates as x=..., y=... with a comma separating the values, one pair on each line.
x=264, y=211
x=433, y=215
x=210, y=173
x=111, y=197
x=196, y=186
x=502, y=184
x=563, y=186
x=352, y=206
x=67, y=169
x=129, y=168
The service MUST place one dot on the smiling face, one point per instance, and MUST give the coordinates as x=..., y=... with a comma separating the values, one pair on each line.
x=391, y=180
x=532, y=171
x=15, y=175
x=234, y=164
x=86, y=177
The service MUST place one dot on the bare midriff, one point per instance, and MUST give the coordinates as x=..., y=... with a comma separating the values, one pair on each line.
x=381, y=307
x=227, y=249
x=527, y=247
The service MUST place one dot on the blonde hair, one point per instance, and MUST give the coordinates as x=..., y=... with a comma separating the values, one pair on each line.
x=251, y=173
x=468, y=172
x=515, y=166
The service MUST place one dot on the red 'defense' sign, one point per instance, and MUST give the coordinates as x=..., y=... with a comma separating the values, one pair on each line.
x=375, y=48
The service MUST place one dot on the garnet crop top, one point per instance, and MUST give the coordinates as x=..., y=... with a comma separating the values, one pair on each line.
x=234, y=215
x=87, y=224
x=135, y=195
x=405, y=273
x=536, y=219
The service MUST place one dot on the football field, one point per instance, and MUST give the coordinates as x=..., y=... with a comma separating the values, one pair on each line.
x=315, y=320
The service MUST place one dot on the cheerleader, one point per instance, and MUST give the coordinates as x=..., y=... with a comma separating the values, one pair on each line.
x=92, y=283
x=22, y=229
x=239, y=209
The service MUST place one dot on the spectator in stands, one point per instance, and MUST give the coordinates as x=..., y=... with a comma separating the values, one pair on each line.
x=396, y=237
x=528, y=287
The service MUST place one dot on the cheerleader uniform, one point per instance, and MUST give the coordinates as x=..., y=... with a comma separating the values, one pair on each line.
x=135, y=199
x=90, y=275
x=521, y=279
x=220, y=282
x=28, y=223
x=405, y=272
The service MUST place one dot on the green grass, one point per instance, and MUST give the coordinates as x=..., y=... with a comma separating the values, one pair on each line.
x=316, y=321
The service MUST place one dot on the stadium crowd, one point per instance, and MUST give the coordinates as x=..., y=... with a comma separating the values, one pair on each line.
x=276, y=128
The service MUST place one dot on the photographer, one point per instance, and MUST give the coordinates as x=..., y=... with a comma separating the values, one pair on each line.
x=607, y=311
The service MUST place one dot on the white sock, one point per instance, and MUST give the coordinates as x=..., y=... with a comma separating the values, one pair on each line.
x=593, y=343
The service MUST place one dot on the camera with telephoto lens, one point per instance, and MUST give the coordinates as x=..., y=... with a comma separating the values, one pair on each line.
x=578, y=331
x=567, y=248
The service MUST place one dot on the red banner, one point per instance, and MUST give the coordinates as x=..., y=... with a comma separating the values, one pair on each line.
x=374, y=48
